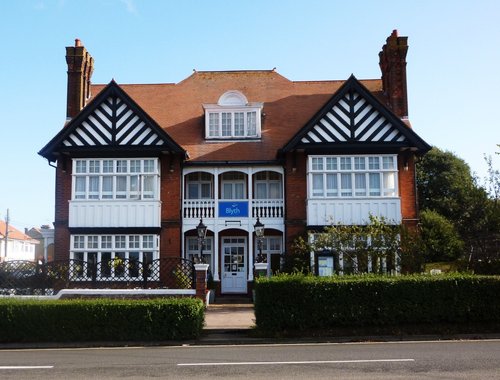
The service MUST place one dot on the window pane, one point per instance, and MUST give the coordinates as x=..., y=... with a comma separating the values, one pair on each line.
x=121, y=187
x=346, y=185
x=94, y=166
x=274, y=190
x=120, y=241
x=206, y=191
x=193, y=191
x=390, y=184
x=106, y=242
x=239, y=124
x=345, y=163
x=135, y=166
x=317, y=163
x=149, y=186
x=374, y=184
x=81, y=166
x=318, y=185
x=107, y=166
x=121, y=166
x=133, y=241
x=107, y=187
x=227, y=190
x=388, y=162
x=134, y=186
x=260, y=190
x=252, y=123
x=331, y=185
x=331, y=163
x=213, y=124
x=149, y=166
x=360, y=184
x=239, y=191
x=226, y=124
x=373, y=163
x=93, y=187
x=80, y=187
x=359, y=163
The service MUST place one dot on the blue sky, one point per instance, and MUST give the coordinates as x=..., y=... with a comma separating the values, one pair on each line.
x=453, y=61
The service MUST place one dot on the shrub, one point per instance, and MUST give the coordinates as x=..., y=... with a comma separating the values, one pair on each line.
x=100, y=320
x=296, y=302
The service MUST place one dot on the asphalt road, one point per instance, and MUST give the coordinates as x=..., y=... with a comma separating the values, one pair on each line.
x=399, y=360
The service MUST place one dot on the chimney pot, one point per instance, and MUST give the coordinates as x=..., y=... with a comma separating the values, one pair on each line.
x=78, y=43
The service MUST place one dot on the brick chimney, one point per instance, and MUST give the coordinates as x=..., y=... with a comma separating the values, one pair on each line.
x=393, y=66
x=80, y=68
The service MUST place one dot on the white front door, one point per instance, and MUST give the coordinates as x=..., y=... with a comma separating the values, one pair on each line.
x=234, y=265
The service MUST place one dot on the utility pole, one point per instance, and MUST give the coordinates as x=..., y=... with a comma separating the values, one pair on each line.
x=7, y=219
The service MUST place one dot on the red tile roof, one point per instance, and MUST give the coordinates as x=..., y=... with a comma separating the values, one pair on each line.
x=14, y=234
x=288, y=106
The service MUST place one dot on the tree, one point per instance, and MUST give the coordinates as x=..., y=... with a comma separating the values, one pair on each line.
x=441, y=241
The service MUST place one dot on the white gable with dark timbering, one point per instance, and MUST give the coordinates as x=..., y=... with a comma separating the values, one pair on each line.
x=111, y=120
x=354, y=117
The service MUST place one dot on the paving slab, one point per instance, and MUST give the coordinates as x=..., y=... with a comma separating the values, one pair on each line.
x=229, y=317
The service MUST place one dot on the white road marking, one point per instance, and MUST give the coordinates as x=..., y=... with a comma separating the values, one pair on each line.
x=296, y=362
x=26, y=367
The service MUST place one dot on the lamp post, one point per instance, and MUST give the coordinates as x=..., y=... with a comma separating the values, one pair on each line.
x=201, y=229
x=259, y=232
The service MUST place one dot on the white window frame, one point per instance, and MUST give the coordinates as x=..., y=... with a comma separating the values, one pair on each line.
x=128, y=178
x=118, y=246
x=193, y=249
x=221, y=118
x=344, y=172
x=199, y=182
x=267, y=181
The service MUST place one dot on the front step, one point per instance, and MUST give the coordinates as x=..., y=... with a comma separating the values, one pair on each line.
x=231, y=300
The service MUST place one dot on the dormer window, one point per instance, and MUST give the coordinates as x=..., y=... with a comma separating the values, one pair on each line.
x=233, y=117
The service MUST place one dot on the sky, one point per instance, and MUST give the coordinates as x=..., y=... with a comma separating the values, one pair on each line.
x=452, y=70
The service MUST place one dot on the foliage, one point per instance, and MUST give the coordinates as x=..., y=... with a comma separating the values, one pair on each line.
x=297, y=302
x=446, y=186
x=298, y=259
x=441, y=242
x=78, y=320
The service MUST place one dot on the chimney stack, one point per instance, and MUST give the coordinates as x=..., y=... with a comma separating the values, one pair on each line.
x=393, y=66
x=80, y=68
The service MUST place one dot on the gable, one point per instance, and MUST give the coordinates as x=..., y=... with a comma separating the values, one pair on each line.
x=111, y=120
x=354, y=118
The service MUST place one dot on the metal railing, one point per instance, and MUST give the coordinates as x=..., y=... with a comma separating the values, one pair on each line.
x=27, y=277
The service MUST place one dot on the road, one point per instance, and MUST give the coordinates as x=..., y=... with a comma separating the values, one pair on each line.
x=399, y=360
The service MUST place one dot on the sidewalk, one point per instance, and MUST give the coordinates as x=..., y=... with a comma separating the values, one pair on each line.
x=229, y=317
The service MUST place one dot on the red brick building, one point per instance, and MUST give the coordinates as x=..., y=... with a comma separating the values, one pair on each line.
x=138, y=165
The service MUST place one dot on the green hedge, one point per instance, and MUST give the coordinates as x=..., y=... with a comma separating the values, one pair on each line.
x=79, y=320
x=296, y=302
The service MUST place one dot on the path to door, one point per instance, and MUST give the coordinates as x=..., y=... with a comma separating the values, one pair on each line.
x=229, y=317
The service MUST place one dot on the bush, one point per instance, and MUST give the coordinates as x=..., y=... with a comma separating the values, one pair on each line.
x=297, y=303
x=78, y=320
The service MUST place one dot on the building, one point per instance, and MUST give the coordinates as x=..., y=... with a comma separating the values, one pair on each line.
x=140, y=166
x=45, y=235
x=14, y=245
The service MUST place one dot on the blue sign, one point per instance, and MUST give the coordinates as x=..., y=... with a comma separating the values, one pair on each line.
x=233, y=209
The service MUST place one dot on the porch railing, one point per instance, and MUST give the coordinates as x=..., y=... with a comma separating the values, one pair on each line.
x=26, y=277
x=206, y=208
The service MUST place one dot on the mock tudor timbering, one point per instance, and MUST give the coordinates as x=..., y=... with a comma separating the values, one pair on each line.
x=140, y=166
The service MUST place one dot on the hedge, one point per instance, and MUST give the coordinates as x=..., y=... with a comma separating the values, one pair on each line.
x=297, y=302
x=78, y=320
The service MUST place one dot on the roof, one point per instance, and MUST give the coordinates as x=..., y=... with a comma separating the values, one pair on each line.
x=14, y=234
x=288, y=106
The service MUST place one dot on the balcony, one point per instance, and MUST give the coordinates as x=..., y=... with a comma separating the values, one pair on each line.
x=217, y=208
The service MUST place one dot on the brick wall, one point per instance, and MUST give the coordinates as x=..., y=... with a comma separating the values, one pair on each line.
x=62, y=197
x=170, y=195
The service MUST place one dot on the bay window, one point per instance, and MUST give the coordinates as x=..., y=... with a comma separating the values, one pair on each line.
x=115, y=179
x=352, y=176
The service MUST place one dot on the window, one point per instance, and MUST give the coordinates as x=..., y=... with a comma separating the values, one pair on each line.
x=233, y=185
x=199, y=185
x=267, y=185
x=114, y=256
x=353, y=176
x=115, y=179
x=271, y=250
x=193, y=250
x=233, y=117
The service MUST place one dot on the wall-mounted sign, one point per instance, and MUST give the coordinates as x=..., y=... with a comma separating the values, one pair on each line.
x=233, y=209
